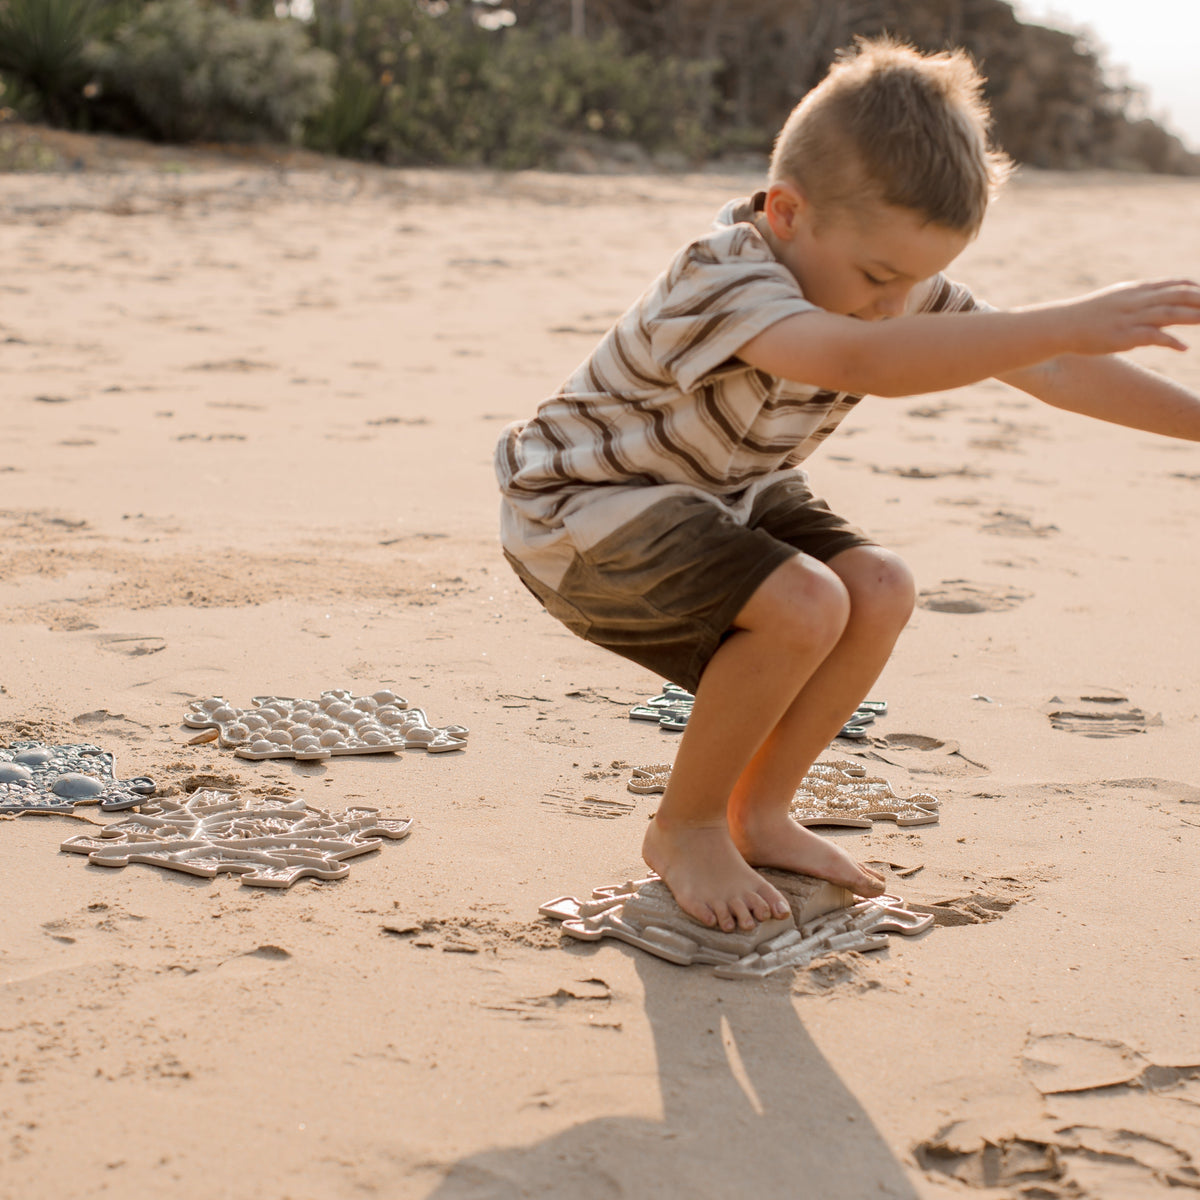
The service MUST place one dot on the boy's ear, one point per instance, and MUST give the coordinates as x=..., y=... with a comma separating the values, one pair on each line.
x=785, y=207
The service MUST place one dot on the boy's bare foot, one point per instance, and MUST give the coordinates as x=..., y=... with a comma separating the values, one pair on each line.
x=770, y=841
x=709, y=879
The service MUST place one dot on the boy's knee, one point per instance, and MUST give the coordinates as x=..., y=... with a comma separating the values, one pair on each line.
x=803, y=604
x=879, y=583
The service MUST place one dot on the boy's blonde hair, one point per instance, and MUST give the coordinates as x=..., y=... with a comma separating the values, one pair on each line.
x=891, y=125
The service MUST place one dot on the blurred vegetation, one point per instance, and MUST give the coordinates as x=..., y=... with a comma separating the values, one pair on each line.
x=183, y=71
x=414, y=87
x=517, y=83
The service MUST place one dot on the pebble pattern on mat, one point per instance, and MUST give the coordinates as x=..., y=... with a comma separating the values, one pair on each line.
x=335, y=723
x=842, y=793
x=35, y=777
x=269, y=843
x=835, y=793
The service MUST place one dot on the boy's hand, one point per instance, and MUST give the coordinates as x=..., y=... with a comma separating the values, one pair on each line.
x=1130, y=315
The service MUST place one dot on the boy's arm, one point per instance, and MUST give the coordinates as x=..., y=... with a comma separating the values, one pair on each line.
x=1113, y=389
x=906, y=356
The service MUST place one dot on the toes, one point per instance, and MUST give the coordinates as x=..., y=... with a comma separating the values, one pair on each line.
x=740, y=910
x=767, y=903
x=869, y=884
x=725, y=918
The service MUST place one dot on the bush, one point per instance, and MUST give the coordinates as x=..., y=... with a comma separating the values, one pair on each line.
x=410, y=83
x=543, y=93
x=42, y=51
x=191, y=72
x=419, y=83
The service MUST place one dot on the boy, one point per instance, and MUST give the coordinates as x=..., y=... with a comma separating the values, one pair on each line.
x=654, y=504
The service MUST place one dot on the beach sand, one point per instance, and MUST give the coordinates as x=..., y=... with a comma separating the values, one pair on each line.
x=249, y=418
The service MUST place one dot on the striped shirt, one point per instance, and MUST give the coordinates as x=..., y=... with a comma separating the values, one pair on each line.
x=664, y=406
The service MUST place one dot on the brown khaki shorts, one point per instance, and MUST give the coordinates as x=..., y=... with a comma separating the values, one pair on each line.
x=664, y=589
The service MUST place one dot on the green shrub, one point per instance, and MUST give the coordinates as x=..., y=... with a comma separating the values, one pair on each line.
x=42, y=47
x=18, y=99
x=343, y=126
x=410, y=83
x=419, y=83
x=194, y=72
x=543, y=92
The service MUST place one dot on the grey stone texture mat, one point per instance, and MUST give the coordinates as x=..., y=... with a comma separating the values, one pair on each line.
x=39, y=778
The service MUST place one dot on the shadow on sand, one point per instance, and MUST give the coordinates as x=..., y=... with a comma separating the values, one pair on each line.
x=769, y=1118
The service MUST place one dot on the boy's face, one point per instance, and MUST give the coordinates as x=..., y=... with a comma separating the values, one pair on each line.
x=860, y=264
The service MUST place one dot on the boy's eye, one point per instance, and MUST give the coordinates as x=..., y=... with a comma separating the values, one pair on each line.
x=871, y=279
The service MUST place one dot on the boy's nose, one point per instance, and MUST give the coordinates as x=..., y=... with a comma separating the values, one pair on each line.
x=892, y=304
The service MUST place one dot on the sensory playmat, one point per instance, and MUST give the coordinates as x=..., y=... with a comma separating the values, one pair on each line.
x=269, y=843
x=337, y=722
x=842, y=793
x=834, y=793
x=35, y=777
x=824, y=919
x=672, y=707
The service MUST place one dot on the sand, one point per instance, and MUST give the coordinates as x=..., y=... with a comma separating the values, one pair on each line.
x=249, y=415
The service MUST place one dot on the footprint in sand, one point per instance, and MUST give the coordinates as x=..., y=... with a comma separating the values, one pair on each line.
x=1099, y=712
x=132, y=644
x=1007, y=524
x=233, y=364
x=1111, y=1120
x=587, y=806
x=932, y=472
x=975, y=909
x=922, y=755
x=932, y=412
x=471, y=935
x=960, y=596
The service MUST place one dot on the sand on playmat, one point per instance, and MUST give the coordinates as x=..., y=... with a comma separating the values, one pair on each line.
x=249, y=417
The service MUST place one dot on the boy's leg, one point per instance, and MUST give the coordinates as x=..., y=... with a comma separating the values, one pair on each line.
x=793, y=622
x=881, y=597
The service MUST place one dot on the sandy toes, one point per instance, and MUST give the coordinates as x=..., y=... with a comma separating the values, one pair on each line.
x=709, y=879
x=790, y=847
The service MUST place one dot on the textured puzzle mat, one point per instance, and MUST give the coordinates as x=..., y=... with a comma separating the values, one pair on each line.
x=824, y=919
x=269, y=843
x=672, y=707
x=38, y=778
x=834, y=793
x=335, y=723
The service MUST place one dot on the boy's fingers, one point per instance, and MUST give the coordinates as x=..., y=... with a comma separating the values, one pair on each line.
x=1181, y=314
x=1153, y=336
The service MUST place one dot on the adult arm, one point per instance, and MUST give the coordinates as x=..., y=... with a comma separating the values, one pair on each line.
x=931, y=352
